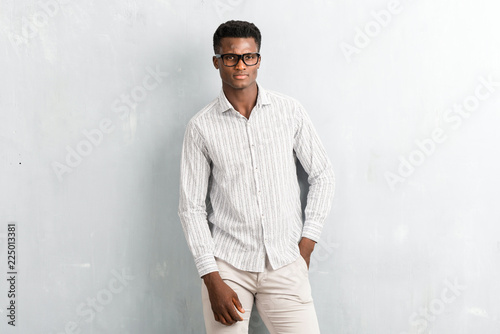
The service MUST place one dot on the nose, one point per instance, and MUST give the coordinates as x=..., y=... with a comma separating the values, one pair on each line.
x=240, y=64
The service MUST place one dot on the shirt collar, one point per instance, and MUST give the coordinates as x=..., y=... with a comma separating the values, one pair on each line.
x=225, y=105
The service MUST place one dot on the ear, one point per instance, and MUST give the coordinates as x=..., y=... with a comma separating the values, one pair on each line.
x=215, y=60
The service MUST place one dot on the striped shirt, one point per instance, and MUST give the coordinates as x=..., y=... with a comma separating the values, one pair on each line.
x=247, y=167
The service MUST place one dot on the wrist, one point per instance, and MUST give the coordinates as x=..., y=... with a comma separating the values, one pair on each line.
x=211, y=278
x=307, y=244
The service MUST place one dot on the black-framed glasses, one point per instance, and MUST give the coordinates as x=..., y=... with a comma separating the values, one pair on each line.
x=231, y=59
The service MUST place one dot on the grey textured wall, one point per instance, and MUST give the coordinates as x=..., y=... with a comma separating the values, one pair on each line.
x=94, y=98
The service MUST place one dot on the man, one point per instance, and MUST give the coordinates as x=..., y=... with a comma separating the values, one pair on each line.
x=242, y=149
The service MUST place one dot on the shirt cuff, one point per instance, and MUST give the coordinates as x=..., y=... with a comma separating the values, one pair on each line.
x=312, y=230
x=206, y=264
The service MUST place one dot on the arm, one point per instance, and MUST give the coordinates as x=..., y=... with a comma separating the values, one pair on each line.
x=195, y=173
x=321, y=179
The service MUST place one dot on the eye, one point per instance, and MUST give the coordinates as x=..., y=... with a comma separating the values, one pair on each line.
x=229, y=57
x=250, y=56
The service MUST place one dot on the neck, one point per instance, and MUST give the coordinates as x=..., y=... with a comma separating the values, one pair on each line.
x=243, y=100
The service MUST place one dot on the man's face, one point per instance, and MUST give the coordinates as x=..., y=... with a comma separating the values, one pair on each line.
x=240, y=76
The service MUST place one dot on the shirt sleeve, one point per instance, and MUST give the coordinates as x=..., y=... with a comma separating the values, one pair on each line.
x=321, y=178
x=194, y=179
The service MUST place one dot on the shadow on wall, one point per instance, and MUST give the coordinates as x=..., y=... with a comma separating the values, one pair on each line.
x=172, y=270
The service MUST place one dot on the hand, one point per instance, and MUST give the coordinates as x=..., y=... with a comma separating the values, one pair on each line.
x=223, y=300
x=306, y=247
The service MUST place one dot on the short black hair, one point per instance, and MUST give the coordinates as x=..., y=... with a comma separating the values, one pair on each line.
x=235, y=28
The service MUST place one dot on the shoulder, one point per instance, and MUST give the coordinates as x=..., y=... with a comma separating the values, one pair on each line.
x=193, y=130
x=281, y=98
x=205, y=113
x=287, y=105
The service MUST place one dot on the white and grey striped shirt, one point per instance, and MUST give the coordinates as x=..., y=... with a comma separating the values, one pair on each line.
x=248, y=168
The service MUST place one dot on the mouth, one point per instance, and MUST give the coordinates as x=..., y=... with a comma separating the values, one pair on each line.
x=240, y=76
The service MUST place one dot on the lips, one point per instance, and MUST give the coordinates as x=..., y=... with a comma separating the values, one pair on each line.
x=240, y=76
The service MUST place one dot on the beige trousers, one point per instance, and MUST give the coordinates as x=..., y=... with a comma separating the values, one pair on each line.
x=282, y=297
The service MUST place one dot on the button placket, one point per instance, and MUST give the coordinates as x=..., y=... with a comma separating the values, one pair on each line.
x=250, y=132
x=254, y=162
